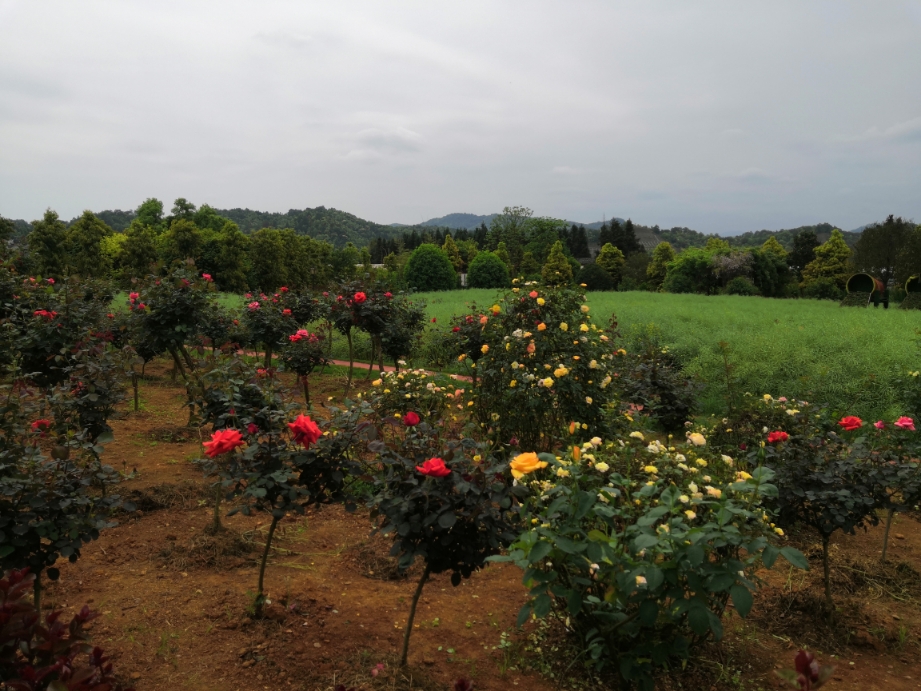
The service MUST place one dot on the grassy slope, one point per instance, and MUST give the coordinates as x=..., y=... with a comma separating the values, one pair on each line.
x=850, y=357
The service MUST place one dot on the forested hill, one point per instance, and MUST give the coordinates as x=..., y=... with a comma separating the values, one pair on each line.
x=682, y=238
x=459, y=221
x=331, y=225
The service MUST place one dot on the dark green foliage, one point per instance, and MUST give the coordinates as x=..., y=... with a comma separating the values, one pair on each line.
x=594, y=278
x=741, y=286
x=769, y=273
x=654, y=378
x=691, y=272
x=84, y=250
x=48, y=245
x=823, y=289
x=138, y=254
x=429, y=268
x=802, y=252
x=487, y=271
x=889, y=250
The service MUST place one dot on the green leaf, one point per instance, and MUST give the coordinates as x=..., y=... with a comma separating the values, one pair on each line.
x=542, y=604
x=597, y=536
x=646, y=541
x=575, y=603
x=446, y=520
x=769, y=555
x=539, y=551
x=698, y=619
x=741, y=599
x=568, y=546
x=649, y=612
x=523, y=614
x=795, y=557
x=721, y=582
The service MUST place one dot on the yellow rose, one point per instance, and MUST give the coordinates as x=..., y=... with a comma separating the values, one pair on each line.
x=541, y=301
x=697, y=439
x=377, y=382
x=484, y=349
x=548, y=382
x=461, y=357
x=651, y=469
x=583, y=327
x=690, y=515
x=560, y=372
x=564, y=326
x=588, y=399
x=525, y=464
x=602, y=467
x=584, y=308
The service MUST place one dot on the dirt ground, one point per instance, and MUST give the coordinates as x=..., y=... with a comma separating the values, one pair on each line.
x=175, y=602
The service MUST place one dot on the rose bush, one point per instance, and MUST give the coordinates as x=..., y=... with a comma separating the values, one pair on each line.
x=640, y=548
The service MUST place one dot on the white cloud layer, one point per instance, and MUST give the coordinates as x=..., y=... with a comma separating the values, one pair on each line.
x=720, y=116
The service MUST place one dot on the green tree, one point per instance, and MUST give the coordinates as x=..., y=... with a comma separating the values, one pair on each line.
x=138, y=254
x=7, y=231
x=451, y=249
x=881, y=250
x=691, y=272
x=625, y=238
x=233, y=260
x=84, y=245
x=268, y=269
x=183, y=209
x=488, y=271
x=529, y=265
x=48, y=246
x=832, y=260
x=344, y=262
x=804, y=244
x=774, y=247
x=502, y=253
x=511, y=227
x=612, y=261
x=557, y=271
x=542, y=233
x=595, y=278
x=662, y=256
x=429, y=268
x=717, y=245
x=182, y=241
x=150, y=213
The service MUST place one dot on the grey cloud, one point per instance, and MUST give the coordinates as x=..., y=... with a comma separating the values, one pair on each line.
x=720, y=116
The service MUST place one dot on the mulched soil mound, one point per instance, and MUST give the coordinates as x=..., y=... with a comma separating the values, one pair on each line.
x=225, y=549
x=856, y=300
x=185, y=494
x=912, y=301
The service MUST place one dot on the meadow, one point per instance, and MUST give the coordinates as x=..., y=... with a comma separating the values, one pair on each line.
x=855, y=360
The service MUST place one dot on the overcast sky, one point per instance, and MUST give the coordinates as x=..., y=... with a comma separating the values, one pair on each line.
x=720, y=116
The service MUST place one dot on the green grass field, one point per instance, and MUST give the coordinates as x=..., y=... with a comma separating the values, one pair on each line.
x=855, y=359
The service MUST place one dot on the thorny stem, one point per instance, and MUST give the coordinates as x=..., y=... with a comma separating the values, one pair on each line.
x=889, y=516
x=412, y=615
x=260, y=598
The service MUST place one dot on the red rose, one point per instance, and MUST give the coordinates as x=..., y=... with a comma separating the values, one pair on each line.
x=456, y=329
x=532, y=294
x=359, y=298
x=252, y=428
x=305, y=430
x=41, y=426
x=223, y=441
x=434, y=467
x=850, y=423
x=777, y=436
x=411, y=419
x=286, y=312
x=388, y=295
x=433, y=319
x=110, y=315
x=284, y=289
x=207, y=277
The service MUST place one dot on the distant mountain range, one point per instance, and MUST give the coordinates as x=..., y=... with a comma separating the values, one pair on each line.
x=339, y=227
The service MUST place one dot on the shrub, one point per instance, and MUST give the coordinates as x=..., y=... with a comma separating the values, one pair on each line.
x=39, y=653
x=429, y=268
x=487, y=271
x=397, y=393
x=650, y=376
x=270, y=319
x=741, y=286
x=823, y=289
x=441, y=502
x=302, y=355
x=543, y=365
x=641, y=547
x=595, y=278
